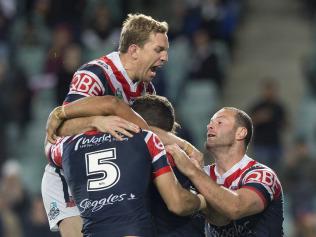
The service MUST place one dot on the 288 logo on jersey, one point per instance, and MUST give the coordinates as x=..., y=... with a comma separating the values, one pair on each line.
x=86, y=84
x=265, y=177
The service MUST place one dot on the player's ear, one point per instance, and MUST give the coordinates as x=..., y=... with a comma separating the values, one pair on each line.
x=241, y=133
x=133, y=51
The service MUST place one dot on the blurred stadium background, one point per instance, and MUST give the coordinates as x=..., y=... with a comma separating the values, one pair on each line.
x=222, y=53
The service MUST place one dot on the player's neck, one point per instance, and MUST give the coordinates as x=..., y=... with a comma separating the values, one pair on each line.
x=226, y=158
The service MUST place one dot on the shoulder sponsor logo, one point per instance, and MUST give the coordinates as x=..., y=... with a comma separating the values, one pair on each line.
x=84, y=142
x=265, y=177
x=53, y=211
x=97, y=205
x=86, y=84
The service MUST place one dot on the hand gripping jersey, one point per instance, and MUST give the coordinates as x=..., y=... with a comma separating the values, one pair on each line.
x=252, y=175
x=110, y=180
x=168, y=224
x=106, y=76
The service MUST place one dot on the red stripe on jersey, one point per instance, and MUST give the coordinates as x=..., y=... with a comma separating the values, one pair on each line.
x=126, y=87
x=56, y=151
x=171, y=160
x=109, y=81
x=263, y=199
x=154, y=145
x=119, y=76
x=161, y=171
x=237, y=173
x=92, y=132
x=212, y=172
x=56, y=155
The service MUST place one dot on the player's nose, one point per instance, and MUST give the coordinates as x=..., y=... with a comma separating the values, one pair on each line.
x=164, y=56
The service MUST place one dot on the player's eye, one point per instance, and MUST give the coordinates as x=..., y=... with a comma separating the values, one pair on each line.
x=159, y=49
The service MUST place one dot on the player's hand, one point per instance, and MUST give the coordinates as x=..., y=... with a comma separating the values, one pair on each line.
x=53, y=123
x=115, y=125
x=193, y=153
x=168, y=138
x=198, y=157
x=182, y=160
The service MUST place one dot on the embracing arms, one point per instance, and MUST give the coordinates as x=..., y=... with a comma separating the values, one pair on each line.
x=73, y=118
x=223, y=204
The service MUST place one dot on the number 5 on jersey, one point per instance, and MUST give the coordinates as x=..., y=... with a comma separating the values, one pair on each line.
x=98, y=163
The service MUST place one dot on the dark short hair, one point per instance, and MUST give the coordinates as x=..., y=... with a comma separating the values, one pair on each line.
x=157, y=111
x=242, y=119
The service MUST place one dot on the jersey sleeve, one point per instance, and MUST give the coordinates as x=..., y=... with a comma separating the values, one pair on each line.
x=160, y=164
x=264, y=182
x=54, y=152
x=89, y=80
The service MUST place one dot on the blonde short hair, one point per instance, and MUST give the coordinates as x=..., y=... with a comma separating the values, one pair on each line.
x=137, y=29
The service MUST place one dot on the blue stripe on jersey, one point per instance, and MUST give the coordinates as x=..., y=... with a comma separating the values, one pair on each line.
x=72, y=97
x=261, y=189
x=160, y=163
x=65, y=186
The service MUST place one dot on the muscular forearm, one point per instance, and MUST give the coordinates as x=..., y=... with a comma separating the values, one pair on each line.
x=234, y=204
x=223, y=200
x=188, y=203
x=178, y=200
x=214, y=217
x=75, y=126
x=93, y=105
x=103, y=105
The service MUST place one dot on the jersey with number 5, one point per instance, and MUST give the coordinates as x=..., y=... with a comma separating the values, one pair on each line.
x=110, y=180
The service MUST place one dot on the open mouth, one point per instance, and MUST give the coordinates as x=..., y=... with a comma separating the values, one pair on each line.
x=154, y=69
x=210, y=135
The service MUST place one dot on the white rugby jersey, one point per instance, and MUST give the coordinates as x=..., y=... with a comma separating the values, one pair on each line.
x=106, y=76
x=252, y=175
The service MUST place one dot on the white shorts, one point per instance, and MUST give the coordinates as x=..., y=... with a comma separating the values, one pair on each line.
x=57, y=198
